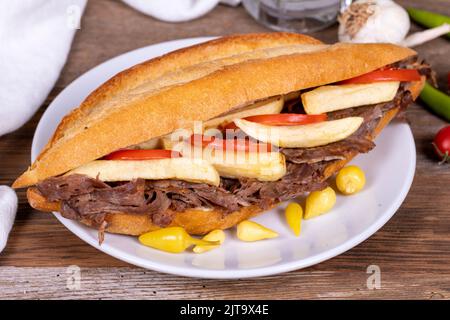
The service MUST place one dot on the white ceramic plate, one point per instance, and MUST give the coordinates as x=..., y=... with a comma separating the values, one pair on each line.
x=389, y=170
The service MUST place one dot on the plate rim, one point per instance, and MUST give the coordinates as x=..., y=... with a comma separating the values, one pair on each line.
x=76, y=228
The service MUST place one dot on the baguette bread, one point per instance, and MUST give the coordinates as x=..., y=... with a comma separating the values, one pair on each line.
x=194, y=221
x=197, y=84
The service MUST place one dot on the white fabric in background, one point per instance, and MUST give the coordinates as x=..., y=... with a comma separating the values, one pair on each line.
x=233, y=3
x=35, y=38
x=177, y=10
x=8, y=208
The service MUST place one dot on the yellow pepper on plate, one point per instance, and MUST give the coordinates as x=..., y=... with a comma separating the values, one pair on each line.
x=319, y=202
x=294, y=215
x=215, y=235
x=252, y=231
x=350, y=180
x=172, y=239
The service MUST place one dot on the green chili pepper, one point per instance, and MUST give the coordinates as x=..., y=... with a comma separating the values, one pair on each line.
x=428, y=19
x=438, y=101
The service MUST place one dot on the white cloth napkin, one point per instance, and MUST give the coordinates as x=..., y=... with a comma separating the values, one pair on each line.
x=8, y=208
x=35, y=39
x=177, y=10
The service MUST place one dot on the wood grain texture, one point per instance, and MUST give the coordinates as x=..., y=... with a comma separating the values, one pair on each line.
x=134, y=283
x=412, y=249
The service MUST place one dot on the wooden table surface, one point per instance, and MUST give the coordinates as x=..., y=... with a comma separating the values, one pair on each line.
x=412, y=250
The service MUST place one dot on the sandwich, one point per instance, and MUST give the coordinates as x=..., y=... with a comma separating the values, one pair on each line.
x=214, y=134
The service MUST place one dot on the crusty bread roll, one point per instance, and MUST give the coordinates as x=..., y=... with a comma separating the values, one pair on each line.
x=198, y=83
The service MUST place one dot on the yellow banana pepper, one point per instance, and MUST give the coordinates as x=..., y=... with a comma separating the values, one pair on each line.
x=172, y=239
x=350, y=180
x=294, y=215
x=319, y=202
x=252, y=231
x=215, y=235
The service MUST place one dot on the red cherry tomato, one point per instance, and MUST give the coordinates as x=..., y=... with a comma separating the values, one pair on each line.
x=441, y=144
x=448, y=81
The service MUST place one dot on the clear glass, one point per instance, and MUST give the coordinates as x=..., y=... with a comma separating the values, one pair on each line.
x=301, y=16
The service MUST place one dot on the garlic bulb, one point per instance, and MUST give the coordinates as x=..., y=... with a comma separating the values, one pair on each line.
x=373, y=21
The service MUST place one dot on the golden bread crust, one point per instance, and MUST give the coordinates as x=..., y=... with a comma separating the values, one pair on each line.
x=178, y=59
x=152, y=69
x=197, y=90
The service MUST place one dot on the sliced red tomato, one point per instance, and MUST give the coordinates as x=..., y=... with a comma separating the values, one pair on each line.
x=385, y=75
x=237, y=144
x=142, y=154
x=283, y=119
